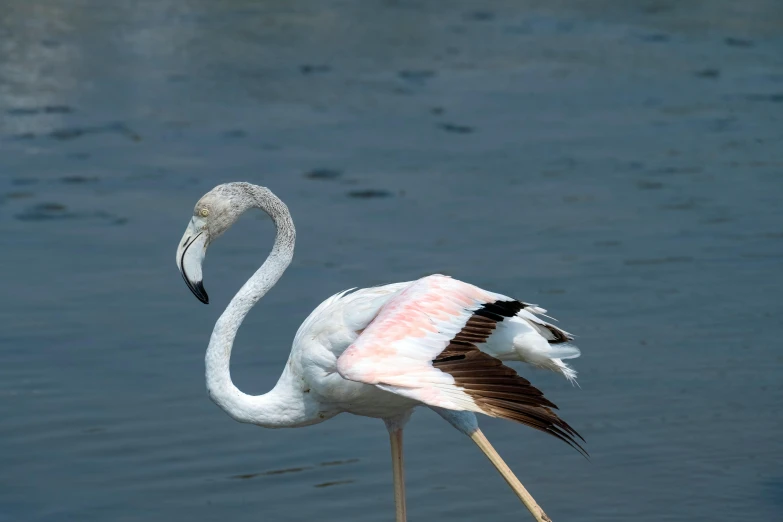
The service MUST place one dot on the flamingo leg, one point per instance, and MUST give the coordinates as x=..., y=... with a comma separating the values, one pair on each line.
x=395, y=437
x=527, y=499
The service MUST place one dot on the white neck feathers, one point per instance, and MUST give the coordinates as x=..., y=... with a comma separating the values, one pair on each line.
x=280, y=407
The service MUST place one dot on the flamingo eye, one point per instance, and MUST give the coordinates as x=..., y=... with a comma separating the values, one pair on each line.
x=204, y=212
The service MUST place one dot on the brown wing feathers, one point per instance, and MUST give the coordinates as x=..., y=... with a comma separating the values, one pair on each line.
x=494, y=387
x=559, y=335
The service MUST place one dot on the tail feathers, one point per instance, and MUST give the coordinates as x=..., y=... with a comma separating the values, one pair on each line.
x=534, y=350
x=563, y=351
x=548, y=331
x=545, y=346
x=527, y=338
x=568, y=372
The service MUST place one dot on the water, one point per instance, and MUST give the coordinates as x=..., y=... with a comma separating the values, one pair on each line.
x=619, y=163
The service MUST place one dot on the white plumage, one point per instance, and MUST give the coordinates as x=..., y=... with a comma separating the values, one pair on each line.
x=382, y=351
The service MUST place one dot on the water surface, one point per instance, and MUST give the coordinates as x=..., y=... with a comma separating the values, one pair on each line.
x=619, y=163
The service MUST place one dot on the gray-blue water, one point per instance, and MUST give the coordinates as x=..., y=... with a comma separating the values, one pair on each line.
x=619, y=162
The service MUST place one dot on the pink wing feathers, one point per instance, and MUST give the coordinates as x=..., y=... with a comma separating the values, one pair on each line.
x=424, y=345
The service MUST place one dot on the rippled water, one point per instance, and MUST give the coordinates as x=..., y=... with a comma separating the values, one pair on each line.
x=621, y=164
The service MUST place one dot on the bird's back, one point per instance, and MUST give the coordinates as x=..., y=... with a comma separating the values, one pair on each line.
x=322, y=338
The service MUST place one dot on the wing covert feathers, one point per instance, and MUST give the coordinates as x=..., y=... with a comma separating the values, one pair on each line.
x=426, y=343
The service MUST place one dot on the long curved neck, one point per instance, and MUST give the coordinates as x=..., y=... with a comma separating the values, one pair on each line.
x=279, y=407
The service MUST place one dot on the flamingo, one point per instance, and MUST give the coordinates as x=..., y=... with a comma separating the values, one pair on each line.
x=383, y=351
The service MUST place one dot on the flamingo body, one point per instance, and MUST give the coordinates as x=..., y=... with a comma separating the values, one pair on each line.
x=383, y=351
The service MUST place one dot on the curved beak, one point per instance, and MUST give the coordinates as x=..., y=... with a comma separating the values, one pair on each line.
x=190, y=255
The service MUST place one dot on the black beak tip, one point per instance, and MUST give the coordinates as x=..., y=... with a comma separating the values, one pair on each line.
x=197, y=288
x=201, y=294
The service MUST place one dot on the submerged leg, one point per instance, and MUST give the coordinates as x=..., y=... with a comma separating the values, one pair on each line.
x=529, y=502
x=395, y=437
